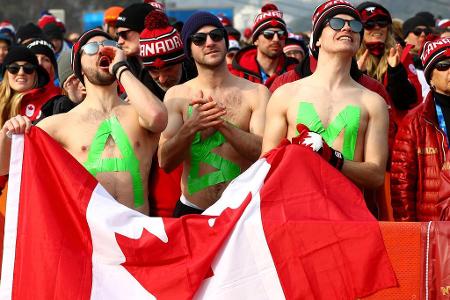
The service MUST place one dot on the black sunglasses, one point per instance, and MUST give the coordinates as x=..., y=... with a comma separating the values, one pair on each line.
x=199, y=38
x=15, y=68
x=93, y=47
x=380, y=23
x=419, y=31
x=269, y=34
x=338, y=23
x=122, y=34
x=443, y=66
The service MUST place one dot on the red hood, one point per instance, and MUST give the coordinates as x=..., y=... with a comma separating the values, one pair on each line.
x=245, y=61
x=33, y=101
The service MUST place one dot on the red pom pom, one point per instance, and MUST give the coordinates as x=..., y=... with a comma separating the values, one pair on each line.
x=269, y=7
x=156, y=19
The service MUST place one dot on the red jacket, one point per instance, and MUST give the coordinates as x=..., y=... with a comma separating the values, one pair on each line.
x=245, y=65
x=418, y=155
x=33, y=101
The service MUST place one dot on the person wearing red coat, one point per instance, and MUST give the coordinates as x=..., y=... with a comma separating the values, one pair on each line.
x=264, y=61
x=421, y=144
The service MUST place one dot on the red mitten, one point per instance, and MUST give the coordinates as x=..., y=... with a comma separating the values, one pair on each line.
x=317, y=144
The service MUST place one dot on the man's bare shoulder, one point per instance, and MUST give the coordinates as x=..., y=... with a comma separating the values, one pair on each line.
x=179, y=93
x=54, y=123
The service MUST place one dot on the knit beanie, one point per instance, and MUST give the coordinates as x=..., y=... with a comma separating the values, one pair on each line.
x=75, y=59
x=270, y=16
x=111, y=14
x=194, y=23
x=161, y=44
x=22, y=53
x=410, y=24
x=64, y=67
x=433, y=52
x=7, y=28
x=41, y=46
x=133, y=16
x=6, y=38
x=373, y=11
x=53, y=31
x=29, y=31
x=156, y=5
x=323, y=13
x=443, y=24
x=428, y=17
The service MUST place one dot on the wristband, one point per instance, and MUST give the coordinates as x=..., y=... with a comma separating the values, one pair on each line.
x=118, y=65
x=120, y=73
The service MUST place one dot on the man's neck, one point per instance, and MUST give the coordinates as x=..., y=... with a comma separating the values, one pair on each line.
x=268, y=64
x=103, y=98
x=333, y=69
x=213, y=78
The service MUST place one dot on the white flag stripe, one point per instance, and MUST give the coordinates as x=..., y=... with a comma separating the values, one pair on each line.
x=244, y=268
x=12, y=207
x=106, y=217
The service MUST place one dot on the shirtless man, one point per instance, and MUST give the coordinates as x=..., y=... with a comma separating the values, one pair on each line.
x=114, y=140
x=216, y=120
x=348, y=116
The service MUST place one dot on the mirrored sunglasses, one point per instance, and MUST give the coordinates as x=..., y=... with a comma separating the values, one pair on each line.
x=199, y=38
x=15, y=68
x=269, y=34
x=93, y=47
x=338, y=23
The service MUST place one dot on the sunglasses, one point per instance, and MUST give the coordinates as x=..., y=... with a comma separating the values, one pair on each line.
x=122, y=34
x=15, y=68
x=419, y=31
x=338, y=23
x=199, y=38
x=269, y=34
x=443, y=66
x=93, y=47
x=380, y=23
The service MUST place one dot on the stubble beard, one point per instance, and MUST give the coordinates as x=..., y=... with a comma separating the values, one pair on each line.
x=99, y=77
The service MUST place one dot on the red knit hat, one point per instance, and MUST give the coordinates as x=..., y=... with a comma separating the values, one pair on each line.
x=444, y=23
x=161, y=44
x=326, y=11
x=270, y=16
x=433, y=52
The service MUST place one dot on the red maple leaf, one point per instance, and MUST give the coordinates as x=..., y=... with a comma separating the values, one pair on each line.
x=175, y=270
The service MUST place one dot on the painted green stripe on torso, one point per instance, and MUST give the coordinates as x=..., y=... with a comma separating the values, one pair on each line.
x=201, y=152
x=348, y=120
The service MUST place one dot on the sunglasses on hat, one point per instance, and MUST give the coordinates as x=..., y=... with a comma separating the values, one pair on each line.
x=419, y=31
x=269, y=34
x=338, y=23
x=443, y=65
x=15, y=68
x=369, y=25
x=93, y=47
x=199, y=38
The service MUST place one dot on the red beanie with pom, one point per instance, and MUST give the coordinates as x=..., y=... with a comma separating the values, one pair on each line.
x=160, y=43
x=269, y=17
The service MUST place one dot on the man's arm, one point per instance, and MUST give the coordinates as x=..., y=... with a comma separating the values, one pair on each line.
x=249, y=144
x=370, y=173
x=176, y=139
x=152, y=112
x=16, y=125
x=276, y=122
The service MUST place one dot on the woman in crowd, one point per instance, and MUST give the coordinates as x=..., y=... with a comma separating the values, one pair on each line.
x=383, y=59
x=22, y=89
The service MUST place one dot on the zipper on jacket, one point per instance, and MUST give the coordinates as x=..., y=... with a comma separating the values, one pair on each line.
x=443, y=139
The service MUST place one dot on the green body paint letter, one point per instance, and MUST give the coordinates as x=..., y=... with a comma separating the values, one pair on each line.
x=128, y=163
x=347, y=119
x=201, y=153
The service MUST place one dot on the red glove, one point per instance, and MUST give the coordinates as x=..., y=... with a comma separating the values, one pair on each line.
x=318, y=145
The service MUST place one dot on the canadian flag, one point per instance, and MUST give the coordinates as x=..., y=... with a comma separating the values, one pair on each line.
x=289, y=227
